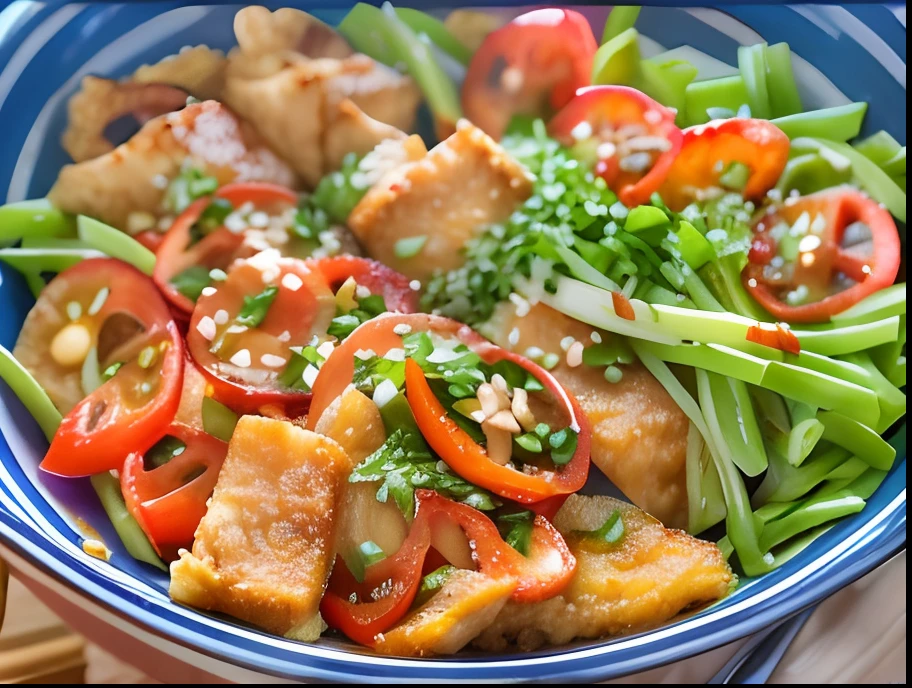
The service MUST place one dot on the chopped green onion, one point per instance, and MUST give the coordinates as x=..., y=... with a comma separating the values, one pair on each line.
x=218, y=420
x=410, y=246
x=114, y=243
x=255, y=308
x=563, y=445
x=645, y=217
x=107, y=487
x=163, y=451
x=695, y=250
x=433, y=582
x=192, y=281
x=611, y=531
x=617, y=61
x=530, y=442
x=735, y=176
x=516, y=530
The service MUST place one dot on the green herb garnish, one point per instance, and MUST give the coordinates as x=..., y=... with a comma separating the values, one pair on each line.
x=163, y=451
x=192, y=281
x=612, y=531
x=188, y=186
x=409, y=247
x=563, y=445
x=111, y=371
x=516, y=530
x=255, y=308
x=292, y=376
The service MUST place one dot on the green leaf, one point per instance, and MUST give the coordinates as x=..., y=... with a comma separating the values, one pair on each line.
x=612, y=531
x=192, y=281
x=409, y=247
x=255, y=308
x=516, y=530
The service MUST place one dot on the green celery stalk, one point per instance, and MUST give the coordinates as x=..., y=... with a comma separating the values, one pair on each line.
x=802, y=439
x=695, y=250
x=218, y=420
x=620, y=19
x=705, y=500
x=896, y=166
x=892, y=400
x=115, y=243
x=30, y=393
x=727, y=92
x=107, y=487
x=898, y=374
x=812, y=513
x=752, y=66
x=784, y=482
x=863, y=485
x=39, y=242
x=878, y=148
x=887, y=357
x=780, y=81
x=740, y=525
x=617, y=61
x=698, y=291
x=866, y=174
x=810, y=173
x=736, y=417
x=847, y=471
x=881, y=304
x=839, y=123
x=667, y=82
x=847, y=339
x=772, y=409
x=434, y=29
x=795, y=546
x=33, y=219
x=35, y=261
x=723, y=275
x=858, y=438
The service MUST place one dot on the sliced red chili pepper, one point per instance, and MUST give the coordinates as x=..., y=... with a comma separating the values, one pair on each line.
x=219, y=246
x=622, y=306
x=710, y=149
x=531, y=66
x=820, y=275
x=775, y=336
x=392, y=583
x=169, y=501
x=446, y=438
x=243, y=357
x=635, y=138
x=126, y=320
x=378, y=278
x=150, y=239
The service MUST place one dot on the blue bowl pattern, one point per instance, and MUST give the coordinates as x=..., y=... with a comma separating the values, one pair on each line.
x=845, y=53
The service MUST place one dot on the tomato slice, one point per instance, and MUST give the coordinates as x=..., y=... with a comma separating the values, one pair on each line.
x=634, y=138
x=802, y=268
x=169, y=500
x=531, y=66
x=392, y=583
x=708, y=152
x=127, y=323
x=393, y=286
x=242, y=332
x=199, y=241
x=446, y=438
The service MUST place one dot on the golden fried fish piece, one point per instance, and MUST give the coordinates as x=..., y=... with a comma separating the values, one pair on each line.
x=650, y=576
x=263, y=552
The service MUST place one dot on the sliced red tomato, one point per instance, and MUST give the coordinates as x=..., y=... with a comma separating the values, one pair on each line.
x=806, y=265
x=446, y=438
x=392, y=583
x=242, y=332
x=531, y=66
x=181, y=256
x=169, y=500
x=375, y=276
x=709, y=151
x=125, y=321
x=635, y=139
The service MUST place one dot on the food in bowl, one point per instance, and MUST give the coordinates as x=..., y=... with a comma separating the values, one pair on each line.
x=335, y=375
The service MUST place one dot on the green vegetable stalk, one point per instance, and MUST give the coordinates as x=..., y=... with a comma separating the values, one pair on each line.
x=839, y=123
x=33, y=219
x=107, y=487
x=114, y=243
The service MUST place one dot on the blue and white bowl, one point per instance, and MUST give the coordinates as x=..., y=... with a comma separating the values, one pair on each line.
x=845, y=54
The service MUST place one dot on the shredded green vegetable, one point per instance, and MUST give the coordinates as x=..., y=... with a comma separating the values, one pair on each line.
x=116, y=244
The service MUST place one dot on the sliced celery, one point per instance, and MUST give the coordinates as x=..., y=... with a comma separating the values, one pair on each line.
x=437, y=33
x=847, y=471
x=858, y=438
x=723, y=275
x=863, y=485
x=802, y=439
x=896, y=166
x=695, y=250
x=705, y=501
x=752, y=66
x=780, y=81
x=881, y=304
x=892, y=400
x=839, y=123
x=33, y=219
x=620, y=19
x=849, y=338
x=813, y=513
x=36, y=261
x=30, y=393
x=115, y=243
x=218, y=420
x=878, y=148
x=772, y=408
x=735, y=416
x=617, y=61
x=667, y=82
x=37, y=243
x=726, y=92
x=784, y=482
x=810, y=173
x=107, y=487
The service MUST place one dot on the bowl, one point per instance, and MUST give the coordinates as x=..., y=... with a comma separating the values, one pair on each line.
x=844, y=53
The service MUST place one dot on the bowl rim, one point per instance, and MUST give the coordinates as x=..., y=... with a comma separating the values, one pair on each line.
x=873, y=538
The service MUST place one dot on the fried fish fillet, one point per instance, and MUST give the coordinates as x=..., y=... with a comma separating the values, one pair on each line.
x=650, y=576
x=263, y=552
x=463, y=184
x=639, y=435
x=133, y=177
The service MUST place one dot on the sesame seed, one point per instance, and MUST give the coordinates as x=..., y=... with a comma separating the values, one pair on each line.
x=258, y=219
x=513, y=338
x=236, y=329
x=272, y=361
x=595, y=337
x=74, y=310
x=575, y=355
x=398, y=354
x=241, y=359
x=292, y=282
x=218, y=275
x=206, y=327
x=402, y=329
x=362, y=292
x=208, y=291
x=221, y=316
x=415, y=285
x=310, y=375
x=566, y=343
x=325, y=349
x=99, y=301
x=285, y=336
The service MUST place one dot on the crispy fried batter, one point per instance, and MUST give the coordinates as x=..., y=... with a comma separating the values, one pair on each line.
x=261, y=32
x=464, y=183
x=647, y=578
x=200, y=71
x=466, y=604
x=133, y=177
x=263, y=551
x=639, y=435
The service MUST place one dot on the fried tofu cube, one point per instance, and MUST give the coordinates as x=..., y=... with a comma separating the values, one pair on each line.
x=463, y=184
x=466, y=604
x=263, y=552
x=649, y=577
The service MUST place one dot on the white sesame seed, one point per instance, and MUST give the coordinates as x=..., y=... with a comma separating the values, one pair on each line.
x=272, y=361
x=241, y=359
x=221, y=316
x=752, y=283
x=581, y=131
x=160, y=181
x=534, y=352
x=236, y=329
x=513, y=338
x=235, y=222
x=385, y=392
x=292, y=282
x=206, y=327
x=402, y=329
x=397, y=354
x=209, y=291
x=566, y=343
x=595, y=337
x=365, y=354
x=362, y=292
x=74, y=310
x=575, y=354
x=415, y=285
x=99, y=301
x=310, y=375
x=258, y=219
x=325, y=349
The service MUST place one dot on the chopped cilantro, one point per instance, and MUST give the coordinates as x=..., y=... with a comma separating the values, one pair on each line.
x=345, y=323
x=191, y=281
x=339, y=192
x=292, y=376
x=111, y=371
x=563, y=445
x=188, y=186
x=212, y=217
